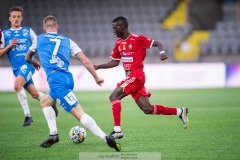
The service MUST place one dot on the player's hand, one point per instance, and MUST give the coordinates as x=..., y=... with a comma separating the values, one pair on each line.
x=163, y=55
x=99, y=81
x=36, y=65
x=13, y=42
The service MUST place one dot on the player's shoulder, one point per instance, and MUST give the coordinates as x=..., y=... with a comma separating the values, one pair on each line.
x=137, y=37
x=134, y=35
x=60, y=36
x=6, y=30
x=119, y=40
x=41, y=35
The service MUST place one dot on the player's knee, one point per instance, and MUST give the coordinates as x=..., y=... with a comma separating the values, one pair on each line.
x=112, y=97
x=42, y=103
x=17, y=87
x=34, y=95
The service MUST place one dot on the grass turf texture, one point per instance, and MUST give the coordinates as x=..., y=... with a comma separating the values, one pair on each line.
x=213, y=131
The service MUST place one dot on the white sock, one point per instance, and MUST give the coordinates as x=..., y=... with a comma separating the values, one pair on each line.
x=51, y=119
x=90, y=124
x=22, y=97
x=179, y=111
x=117, y=129
x=41, y=94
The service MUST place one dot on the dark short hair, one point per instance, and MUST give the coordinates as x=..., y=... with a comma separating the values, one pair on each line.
x=15, y=8
x=121, y=19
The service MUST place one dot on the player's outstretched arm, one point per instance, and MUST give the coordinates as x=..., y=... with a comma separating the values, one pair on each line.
x=163, y=55
x=110, y=64
x=29, y=58
x=89, y=66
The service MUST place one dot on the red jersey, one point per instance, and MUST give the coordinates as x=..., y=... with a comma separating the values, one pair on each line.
x=132, y=52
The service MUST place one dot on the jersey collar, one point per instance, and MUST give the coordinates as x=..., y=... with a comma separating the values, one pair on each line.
x=14, y=29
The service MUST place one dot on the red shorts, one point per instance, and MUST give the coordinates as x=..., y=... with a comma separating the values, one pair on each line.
x=134, y=86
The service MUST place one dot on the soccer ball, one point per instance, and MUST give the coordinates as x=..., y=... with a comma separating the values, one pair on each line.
x=77, y=134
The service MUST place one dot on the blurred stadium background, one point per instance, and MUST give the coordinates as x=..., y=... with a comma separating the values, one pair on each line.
x=192, y=31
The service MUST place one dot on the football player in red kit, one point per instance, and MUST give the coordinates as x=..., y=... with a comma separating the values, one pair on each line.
x=131, y=50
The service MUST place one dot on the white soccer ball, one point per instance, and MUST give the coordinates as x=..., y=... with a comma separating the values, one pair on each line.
x=77, y=134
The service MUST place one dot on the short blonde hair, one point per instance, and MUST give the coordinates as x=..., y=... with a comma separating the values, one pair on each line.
x=50, y=21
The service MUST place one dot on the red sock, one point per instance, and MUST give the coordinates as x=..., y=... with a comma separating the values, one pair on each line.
x=116, y=111
x=159, y=109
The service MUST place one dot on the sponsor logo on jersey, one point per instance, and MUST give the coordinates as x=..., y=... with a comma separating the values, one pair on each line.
x=127, y=53
x=127, y=66
x=53, y=36
x=127, y=59
x=130, y=46
x=24, y=69
x=7, y=33
x=21, y=47
x=25, y=32
x=124, y=47
x=131, y=80
x=22, y=40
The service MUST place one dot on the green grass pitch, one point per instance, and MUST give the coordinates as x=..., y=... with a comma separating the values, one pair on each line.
x=213, y=132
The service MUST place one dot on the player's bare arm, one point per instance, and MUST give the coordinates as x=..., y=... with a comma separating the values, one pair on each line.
x=110, y=64
x=29, y=58
x=13, y=43
x=158, y=44
x=89, y=66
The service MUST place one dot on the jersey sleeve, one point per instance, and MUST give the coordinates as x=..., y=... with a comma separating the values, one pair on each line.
x=145, y=42
x=115, y=53
x=74, y=48
x=33, y=40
